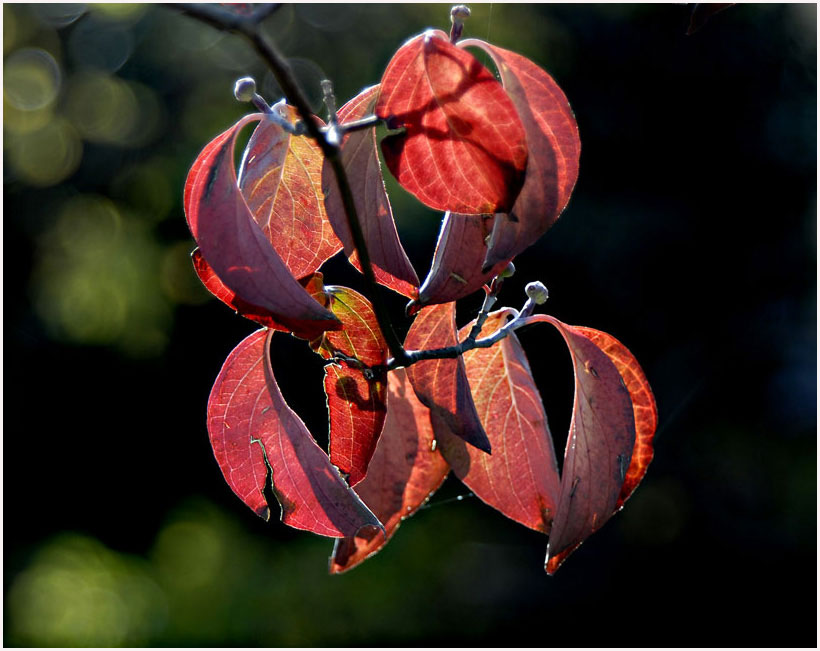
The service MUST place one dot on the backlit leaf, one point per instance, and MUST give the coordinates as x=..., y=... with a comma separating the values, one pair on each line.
x=644, y=408
x=456, y=270
x=259, y=441
x=441, y=384
x=356, y=403
x=281, y=180
x=520, y=478
x=599, y=445
x=391, y=266
x=236, y=248
x=463, y=147
x=405, y=471
x=554, y=151
x=313, y=284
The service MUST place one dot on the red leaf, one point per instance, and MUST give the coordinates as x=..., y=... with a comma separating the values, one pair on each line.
x=643, y=407
x=456, y=268
x=356, y=403
x=463, y=148
x=441, y=384
x=235, y=247
x=599, y=445
x=404, y=472
x=281, y=180
x=520, y=478
x=391, y=266
x=554, y=151
x=252, y=430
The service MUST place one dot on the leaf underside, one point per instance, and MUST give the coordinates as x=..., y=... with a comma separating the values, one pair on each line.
x=360, y=158
x=441, y=384
x=258, y=439
x=404, y=472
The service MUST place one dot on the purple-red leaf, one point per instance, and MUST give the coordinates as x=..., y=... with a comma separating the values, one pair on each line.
x=463, y=147
x=456, y=270
x=599, y=445
x=520, y=478
x=643, y=406
x=441, y=384
x=404, y=472
x=236, y=248
x=281, y=180
x=356, y=401
x=313, y=284
x=259, y=440
x=554, y=151
x=360, y=158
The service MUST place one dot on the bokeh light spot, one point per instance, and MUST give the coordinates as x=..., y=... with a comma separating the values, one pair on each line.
x=47, y=155
x=93, y=44
x=76, y=592
x=58, y=14
x=31, y=79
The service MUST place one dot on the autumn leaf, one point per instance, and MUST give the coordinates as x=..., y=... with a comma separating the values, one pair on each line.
x=405, y=471
x=441, y=384
x=520, y=478
x=456, y=270
x=356, y=397
x=599, y=446
x=234, y=246
x=360, y=158
x=260, y=442
x=281, y=180
x=644, y=409
x=554, y=152
x=463, y=147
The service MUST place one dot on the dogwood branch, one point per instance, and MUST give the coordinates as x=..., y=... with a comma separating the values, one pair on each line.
x=248, y=26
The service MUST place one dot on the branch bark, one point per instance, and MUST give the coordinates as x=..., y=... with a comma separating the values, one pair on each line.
x=248, y=26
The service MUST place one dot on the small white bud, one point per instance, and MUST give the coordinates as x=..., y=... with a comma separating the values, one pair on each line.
x=459, y=13
x=537, y=292
x=245, y=89
x=508, y=271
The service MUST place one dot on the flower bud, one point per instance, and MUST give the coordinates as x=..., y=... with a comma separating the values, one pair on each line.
x=508, y=271
x=537, y=292
x=245, y=89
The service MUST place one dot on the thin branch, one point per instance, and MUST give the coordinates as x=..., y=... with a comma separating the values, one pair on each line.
x=248, y=26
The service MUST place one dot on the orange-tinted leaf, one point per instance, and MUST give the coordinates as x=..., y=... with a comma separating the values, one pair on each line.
x=236, y=248
x=554, y=151
x=463, y=148
x=391, y=266
x=313, y=284
x=458, y=259
x=599, y=445
x=643, y=406
x=258, y=439
x=441, y=384
x=281, y=180
x=404, y=472
x=356, y=403
x=520, y=478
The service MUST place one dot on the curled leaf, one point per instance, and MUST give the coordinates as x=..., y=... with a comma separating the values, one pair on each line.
x=404, y=472
x=441, y=384
x=520, y=478
x=356, y=395
x=599, y=446
x=456, y=270
x=360, y=158
x=235, y=247
x=260, y=442
x=281, y=180
x=463, y=147
x=554, y=152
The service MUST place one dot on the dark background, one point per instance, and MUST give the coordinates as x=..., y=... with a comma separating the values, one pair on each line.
x=691, y=236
